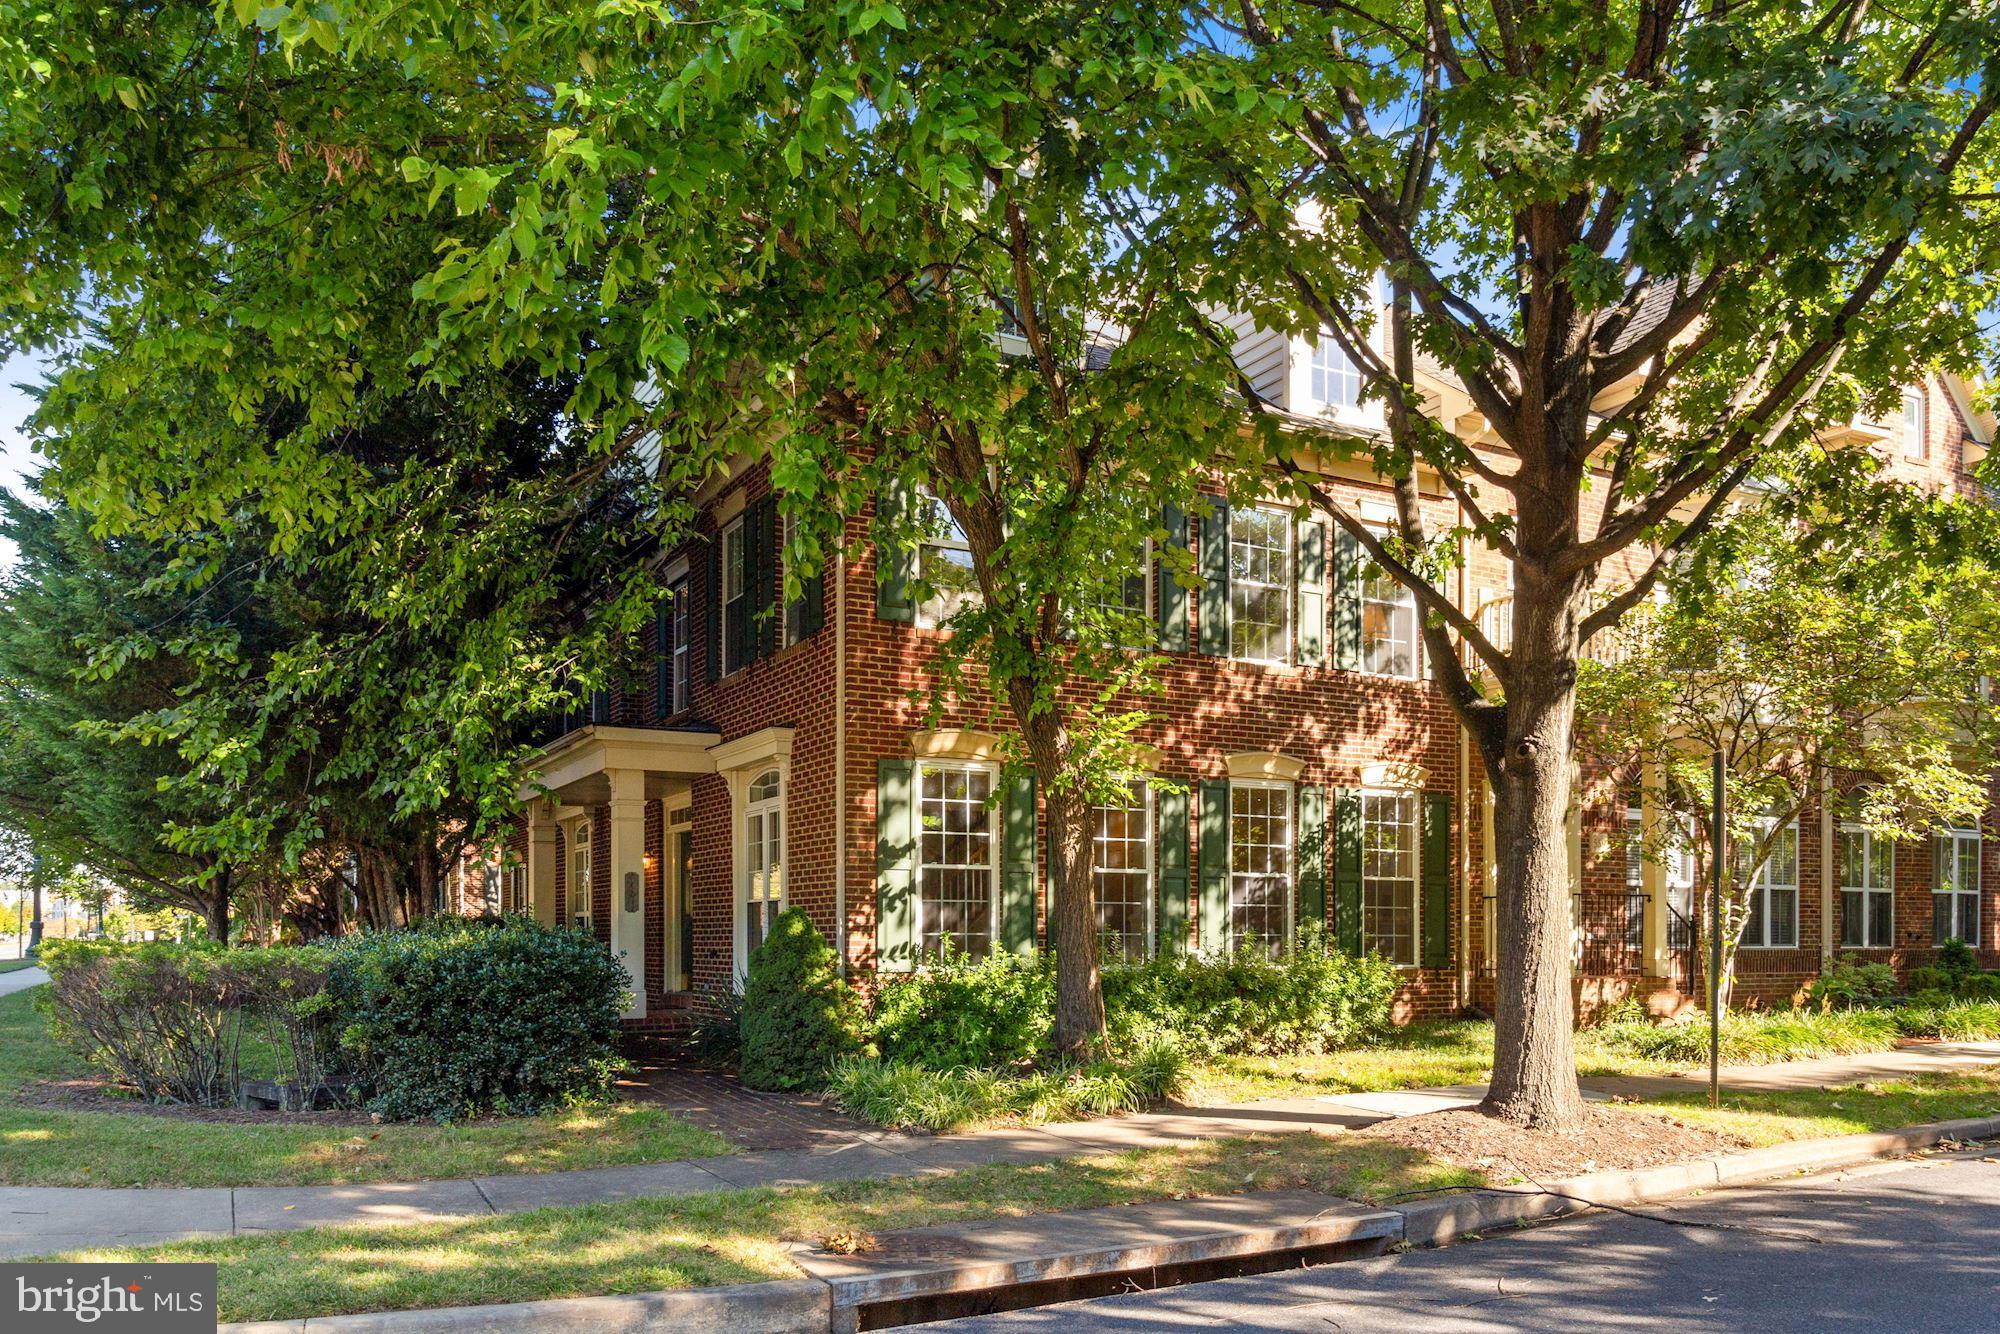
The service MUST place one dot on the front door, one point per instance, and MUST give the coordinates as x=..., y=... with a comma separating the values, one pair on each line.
x=681, y=976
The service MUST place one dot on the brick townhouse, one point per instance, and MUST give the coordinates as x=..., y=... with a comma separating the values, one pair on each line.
x=774, y=758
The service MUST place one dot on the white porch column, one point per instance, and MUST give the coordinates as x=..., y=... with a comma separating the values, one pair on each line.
x=1653, y=871
x=543, y=836
x=628, y=879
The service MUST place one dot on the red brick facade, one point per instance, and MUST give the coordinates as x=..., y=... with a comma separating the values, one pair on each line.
x=846, y=696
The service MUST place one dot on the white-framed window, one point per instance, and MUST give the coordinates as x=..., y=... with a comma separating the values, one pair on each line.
x=735, y=597
x=579, y=874
x=1634, y=919
x=1389, y=875
x=944, y=562
x=1260, y=865
x=1124, y=874
x=1127, y=601
x=1335, y=381
x=1916, y=440
x=1389, y=645
x=682, y=658
x=763, y=896
x=958, y=867
x=1867, y=888
x=1955, y=887
x=1774, y=893
x=793, y=628
x=1260, y=584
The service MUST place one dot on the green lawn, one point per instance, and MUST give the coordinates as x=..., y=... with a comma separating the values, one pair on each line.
x=15, y=965
x=739, y=1236
x=51, y=1147
x=1438, y=1052
x=1883, y=1104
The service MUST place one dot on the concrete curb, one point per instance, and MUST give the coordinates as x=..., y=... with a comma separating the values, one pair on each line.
x=810, y=1304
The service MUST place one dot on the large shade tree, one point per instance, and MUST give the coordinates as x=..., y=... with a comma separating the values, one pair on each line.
x=1654, y=245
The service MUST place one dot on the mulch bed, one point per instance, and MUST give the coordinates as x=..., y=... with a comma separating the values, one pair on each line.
x=1611, y=1140
x=97, y=1095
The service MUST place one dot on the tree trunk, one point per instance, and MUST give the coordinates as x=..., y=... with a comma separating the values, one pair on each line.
x=1534, y=1050
x=1073, y=929
x=216, y=910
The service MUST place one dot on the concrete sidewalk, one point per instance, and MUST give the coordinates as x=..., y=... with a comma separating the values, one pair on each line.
x=39, y=1220
x=21, y=979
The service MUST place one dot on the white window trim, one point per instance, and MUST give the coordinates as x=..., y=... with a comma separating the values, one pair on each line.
x=1416, y=672
x=679, y=687
x=932, y=613
x=1291, y=857
x=580, y=825
x=1763, y=884
x=1289, y=588
x=789, y=629
x=731, y=569
x=1148, y=845
x=744, y=809
x=1851, y=829
x=999, y=833
x=1320, y=344
x=1416, y=873
x=1916, y=445
x=1954, y=836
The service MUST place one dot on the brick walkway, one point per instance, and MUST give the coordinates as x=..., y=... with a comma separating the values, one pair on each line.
x=752, y=1120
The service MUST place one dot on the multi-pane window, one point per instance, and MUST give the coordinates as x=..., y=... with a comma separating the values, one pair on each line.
x=795, y=609
x=1388, y=624
x=1335, y=381
x=944, y=562
x=1774, y=892
x=1955, y=887
x=1915, y=443
x=1124, y=875
x=764, y=860
x=957, y=871
x=1867, y=888
x=1260, y=864
x=681, y=647
x=579, y=874
x=735, y=597
x=1635, y=878
x=1389, y=875
x=1260, y=584
x=1680, y=872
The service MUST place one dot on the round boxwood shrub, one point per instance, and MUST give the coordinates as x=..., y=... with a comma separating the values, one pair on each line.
x=459, y=1017
x=798, y=1016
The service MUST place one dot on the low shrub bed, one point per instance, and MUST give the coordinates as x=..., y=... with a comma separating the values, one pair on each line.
x=448, y=1020
x=964, y=1041
x=904, y=1095
x=1766, y=1037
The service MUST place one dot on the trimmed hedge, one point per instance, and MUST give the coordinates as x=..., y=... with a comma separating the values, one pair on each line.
x=459, y=1016
x=451, y=1019
x=798, y=1016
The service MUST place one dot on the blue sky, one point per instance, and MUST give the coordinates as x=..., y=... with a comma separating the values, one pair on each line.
x=15, y=459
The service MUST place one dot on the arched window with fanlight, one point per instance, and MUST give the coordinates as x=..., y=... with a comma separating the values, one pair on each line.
x=763, y=889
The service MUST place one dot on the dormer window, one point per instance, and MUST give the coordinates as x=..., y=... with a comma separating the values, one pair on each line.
x=1335, y=381
x=1915, y=443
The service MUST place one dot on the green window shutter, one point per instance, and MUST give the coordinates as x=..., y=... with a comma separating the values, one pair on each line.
x=711, y=611
x=663, y=657
x=1173, y=604
x=766, y=590
x=1213, y=865
x=895, y=564
x=1434, y=950
x=1346, y=601
x=1214, y=556
x=1017, y=861
x=1312, y=593
x=812, y=605
x=896, y=832
x=1312, y=854
x=1171, y=810
x=1347, y=869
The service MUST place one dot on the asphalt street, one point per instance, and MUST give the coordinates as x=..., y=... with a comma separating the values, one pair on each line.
x=1906, y=1245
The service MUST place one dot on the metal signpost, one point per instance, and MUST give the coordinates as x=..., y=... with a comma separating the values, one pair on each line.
x=1715, y=851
